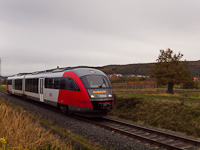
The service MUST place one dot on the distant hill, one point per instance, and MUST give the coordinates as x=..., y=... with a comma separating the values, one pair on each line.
x=194, y=66
x=143, y=69
x=136, y=69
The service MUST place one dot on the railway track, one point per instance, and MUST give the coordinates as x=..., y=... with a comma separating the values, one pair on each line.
x=153, y=136
x=3, y=91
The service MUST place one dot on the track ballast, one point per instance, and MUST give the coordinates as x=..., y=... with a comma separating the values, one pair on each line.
x=153, y=136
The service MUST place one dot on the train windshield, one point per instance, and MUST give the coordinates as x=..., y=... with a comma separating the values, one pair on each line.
x=96, y=81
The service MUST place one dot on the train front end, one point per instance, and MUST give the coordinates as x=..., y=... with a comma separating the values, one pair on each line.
x=100, y=93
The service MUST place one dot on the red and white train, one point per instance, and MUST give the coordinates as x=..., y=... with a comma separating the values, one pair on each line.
x=84, y=91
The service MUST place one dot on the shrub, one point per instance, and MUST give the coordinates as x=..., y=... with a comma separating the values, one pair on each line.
x=191, y=85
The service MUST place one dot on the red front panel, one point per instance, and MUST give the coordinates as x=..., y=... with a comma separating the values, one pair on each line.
x=75, y=98
x=7, y=85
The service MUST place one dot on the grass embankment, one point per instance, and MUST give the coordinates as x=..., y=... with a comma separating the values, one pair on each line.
x=3, y=87
x=20, y=132
x=178, y=112
x=20, y=129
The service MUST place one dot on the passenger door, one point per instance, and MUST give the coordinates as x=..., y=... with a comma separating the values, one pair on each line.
x=13, y=86
x=41, y=91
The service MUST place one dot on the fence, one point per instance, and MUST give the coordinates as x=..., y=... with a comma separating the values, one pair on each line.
x=135, y=85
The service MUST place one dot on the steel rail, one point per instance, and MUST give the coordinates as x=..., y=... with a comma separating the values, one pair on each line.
x=153, y=136
x=170, y=140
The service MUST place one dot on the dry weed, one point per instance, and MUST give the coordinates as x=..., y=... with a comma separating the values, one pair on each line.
x=18, y=130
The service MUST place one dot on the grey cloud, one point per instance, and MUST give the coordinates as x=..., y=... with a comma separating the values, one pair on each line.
x=45, y=33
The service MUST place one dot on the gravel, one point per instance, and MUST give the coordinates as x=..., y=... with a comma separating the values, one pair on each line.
x=106, y=138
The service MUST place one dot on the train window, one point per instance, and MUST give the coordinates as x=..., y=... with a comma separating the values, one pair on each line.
x=35, y=83
x=75, y=87
x=46, y=82
x=71, y=85
x=62, y=83
x=31, y=85
x=49, y=83
x=18, y=84
x=96, y=81
x=27, y=85
x=67, y=83
x=56, y=83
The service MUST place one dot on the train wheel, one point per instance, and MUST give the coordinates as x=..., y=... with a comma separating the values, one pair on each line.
x=25, y=97
x=64, y=108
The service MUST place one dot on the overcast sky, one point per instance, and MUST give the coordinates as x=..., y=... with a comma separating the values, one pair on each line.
x=43, y=34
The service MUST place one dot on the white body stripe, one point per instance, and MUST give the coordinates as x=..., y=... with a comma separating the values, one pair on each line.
x=48, y=94
x=51, y=95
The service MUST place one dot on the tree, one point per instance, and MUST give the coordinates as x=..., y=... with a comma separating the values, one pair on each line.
x=169, y=70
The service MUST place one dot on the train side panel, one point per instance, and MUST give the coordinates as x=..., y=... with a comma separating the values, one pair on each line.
x=51, y=96
x=15, y=85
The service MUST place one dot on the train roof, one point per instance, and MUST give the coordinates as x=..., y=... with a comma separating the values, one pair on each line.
x=59, y=73
x=87, y=71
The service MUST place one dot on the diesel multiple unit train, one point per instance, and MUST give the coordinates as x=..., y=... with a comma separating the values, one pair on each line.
x=83, y=91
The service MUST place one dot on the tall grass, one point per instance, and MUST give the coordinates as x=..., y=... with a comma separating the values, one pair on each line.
x=18, y=130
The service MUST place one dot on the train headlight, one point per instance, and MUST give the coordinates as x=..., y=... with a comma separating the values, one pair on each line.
x=92, y=96
x=109, y=95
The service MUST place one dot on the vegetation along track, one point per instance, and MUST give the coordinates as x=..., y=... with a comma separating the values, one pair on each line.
x=157, y=137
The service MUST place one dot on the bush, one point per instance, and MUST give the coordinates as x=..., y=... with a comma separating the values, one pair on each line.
x=191, y=85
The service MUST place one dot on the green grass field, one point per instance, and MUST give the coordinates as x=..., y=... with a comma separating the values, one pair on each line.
x=179, y=112
x=3, y=87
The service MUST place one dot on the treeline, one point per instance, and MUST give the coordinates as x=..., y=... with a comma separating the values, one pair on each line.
x=127, y=79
